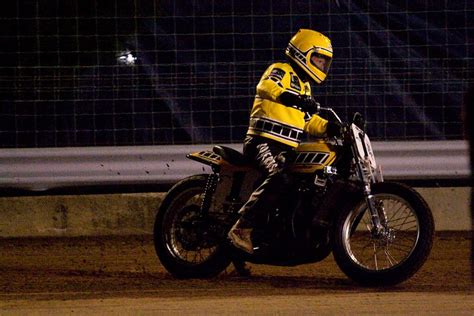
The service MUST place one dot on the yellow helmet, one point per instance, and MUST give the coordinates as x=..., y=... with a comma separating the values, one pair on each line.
x=312, y=52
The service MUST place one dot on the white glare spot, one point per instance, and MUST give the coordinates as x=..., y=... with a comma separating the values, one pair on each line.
x=127, y=58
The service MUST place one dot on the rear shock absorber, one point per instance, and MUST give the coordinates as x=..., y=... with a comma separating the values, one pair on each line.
x=211, y=186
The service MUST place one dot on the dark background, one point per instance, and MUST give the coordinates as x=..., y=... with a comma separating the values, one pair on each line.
x=404, y=64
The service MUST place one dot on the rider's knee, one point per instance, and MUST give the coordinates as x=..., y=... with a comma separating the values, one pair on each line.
x=281, y=177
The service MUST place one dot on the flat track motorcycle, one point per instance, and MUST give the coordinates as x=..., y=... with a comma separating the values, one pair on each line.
x=380, y=233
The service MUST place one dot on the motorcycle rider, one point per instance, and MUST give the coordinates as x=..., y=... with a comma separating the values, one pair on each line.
x=282, y=110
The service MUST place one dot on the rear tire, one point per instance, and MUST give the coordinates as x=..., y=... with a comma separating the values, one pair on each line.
x=184, y=242
x=395, y=256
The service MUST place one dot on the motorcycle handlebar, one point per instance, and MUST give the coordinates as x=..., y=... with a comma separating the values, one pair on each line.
x=330, y=110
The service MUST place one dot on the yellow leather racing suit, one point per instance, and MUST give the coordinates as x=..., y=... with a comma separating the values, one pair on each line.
x=270, y=118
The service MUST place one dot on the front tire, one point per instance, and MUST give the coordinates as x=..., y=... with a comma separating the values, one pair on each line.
x=187, y=243
x=397, y=254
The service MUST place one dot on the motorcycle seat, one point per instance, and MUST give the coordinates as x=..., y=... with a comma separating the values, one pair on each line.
x=231, y=155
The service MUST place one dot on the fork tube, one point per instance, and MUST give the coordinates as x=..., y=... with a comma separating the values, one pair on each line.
x=369, y=198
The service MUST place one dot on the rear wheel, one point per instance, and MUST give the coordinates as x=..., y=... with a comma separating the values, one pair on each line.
x=188, y=244
x=393, y=255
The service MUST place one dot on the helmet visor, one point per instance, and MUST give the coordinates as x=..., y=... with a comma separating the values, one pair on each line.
x=322, y=62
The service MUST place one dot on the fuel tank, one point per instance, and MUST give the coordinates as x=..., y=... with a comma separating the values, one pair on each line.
x=313, y=156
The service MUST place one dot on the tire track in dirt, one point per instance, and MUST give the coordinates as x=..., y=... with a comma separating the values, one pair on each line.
x=42, y=269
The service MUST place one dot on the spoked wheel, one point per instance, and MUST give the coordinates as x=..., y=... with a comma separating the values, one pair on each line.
x=394, y=254
x=189, y=237
x=189, y=244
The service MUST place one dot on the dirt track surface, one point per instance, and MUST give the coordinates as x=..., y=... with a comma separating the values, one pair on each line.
x=123, y=275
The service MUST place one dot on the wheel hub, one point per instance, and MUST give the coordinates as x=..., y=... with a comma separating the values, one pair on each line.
x=383, y=238
x=193, y=231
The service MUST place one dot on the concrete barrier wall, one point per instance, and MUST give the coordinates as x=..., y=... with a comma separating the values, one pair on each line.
x=124, y=214
x=78, y=215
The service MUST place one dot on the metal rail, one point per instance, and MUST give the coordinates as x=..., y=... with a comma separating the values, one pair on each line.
x=50, y=168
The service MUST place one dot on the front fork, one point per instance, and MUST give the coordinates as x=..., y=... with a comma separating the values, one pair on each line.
x=378, y=218
x=376, y=209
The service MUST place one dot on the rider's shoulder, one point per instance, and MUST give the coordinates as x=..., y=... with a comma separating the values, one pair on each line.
x=281, y=65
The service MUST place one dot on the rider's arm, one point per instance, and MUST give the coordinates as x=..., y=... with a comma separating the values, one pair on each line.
x=280, y=84
x=271, y=85
x=316, y=126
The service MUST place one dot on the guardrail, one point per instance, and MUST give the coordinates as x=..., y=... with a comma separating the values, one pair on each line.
x=50, y=168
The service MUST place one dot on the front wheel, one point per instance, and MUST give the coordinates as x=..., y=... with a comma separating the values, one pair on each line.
x=393, y=255
x=188, y=243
